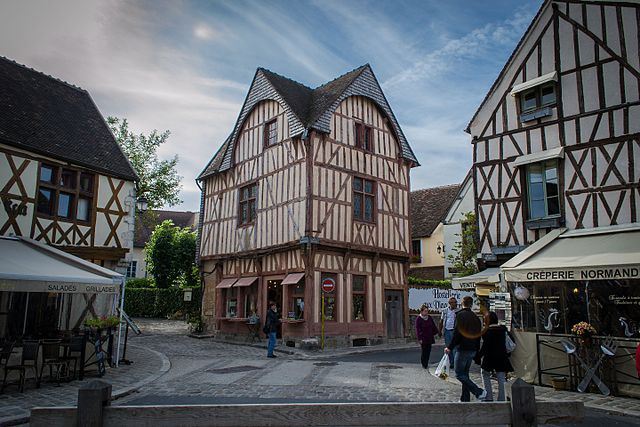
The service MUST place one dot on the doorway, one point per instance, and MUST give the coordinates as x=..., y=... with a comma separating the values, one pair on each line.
x=393, y=313
x=274, y=294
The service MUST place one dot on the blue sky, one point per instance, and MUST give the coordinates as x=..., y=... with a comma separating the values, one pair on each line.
x=186, y=65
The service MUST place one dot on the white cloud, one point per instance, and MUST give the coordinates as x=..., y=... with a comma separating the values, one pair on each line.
x=203, y=32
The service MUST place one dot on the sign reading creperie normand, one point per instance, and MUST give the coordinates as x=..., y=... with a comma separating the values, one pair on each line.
x=585, y=273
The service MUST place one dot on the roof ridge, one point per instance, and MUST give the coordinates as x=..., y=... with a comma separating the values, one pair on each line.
x=45, y=74
x=361, y=68
x=284, y=77
x=438, y=186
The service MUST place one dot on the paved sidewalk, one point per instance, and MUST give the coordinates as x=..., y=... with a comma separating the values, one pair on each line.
x=169, y=365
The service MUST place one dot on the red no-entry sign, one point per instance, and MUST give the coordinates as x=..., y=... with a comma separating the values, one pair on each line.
x=328, y=284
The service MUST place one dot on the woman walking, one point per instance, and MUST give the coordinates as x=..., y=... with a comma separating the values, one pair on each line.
x=493, y=357
x=426, y=330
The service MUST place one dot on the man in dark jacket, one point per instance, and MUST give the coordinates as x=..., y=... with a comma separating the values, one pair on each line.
x=466, y=341
x=272, y=325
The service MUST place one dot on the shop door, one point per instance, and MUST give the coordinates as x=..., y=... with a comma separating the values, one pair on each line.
x=274, y=294
x=393, y=312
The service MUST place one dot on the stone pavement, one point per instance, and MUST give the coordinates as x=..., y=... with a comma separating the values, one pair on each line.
x=168, y=364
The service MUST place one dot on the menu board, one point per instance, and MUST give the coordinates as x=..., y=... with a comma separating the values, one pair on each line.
x=500, y=302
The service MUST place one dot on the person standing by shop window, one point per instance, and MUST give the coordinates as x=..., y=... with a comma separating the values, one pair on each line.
x=448, y=324
x=273, y=320
x=493, y=357
x=426, y=330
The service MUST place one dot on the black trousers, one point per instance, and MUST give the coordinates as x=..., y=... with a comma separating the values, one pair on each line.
x=426, y=353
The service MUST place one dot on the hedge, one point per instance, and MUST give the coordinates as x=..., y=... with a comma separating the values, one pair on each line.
x=154, y=302
x=416, y=282
x=140, y=282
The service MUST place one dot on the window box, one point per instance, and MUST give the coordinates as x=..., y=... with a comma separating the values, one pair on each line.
x=537, y=224
x=536, y=114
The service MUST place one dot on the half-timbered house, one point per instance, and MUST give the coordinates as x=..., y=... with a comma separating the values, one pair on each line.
x=311, y=187
x=556, y=144
x=64, y=182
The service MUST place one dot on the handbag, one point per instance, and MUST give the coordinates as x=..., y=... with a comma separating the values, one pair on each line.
x=266, y=329
x=509, y=344
x=442, y=371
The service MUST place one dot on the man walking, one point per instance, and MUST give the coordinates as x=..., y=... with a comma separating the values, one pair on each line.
x=447, y=325
x=272, y=326
x=466, y=341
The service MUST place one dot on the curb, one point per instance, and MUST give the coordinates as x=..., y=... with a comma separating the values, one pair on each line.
x=166, y=365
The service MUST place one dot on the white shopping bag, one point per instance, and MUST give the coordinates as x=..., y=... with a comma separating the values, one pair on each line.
x=442, y=371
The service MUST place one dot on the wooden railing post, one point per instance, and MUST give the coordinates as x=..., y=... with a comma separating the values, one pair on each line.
x=523, y=404
x=92, y=398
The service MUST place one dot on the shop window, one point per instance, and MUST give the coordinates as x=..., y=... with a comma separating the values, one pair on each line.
x=271, y=133
x=359, y=296
x=330, y=307
x=364, y=136
x=61, y=195
x=363, y=200
x=232, y=302
x=250, y=304
x=296, y=301
x=543, y=193
x=247, y=204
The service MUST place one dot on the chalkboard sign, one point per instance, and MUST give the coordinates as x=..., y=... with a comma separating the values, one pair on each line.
x=100, y=357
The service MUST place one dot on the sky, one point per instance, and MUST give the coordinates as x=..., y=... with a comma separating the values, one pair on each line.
x=186, y=66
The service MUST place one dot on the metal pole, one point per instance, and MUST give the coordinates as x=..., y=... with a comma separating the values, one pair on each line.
x=322, y=313
x=26, y=314
x=120, y=324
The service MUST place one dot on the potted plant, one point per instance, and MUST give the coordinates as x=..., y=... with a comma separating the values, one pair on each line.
x=584, y=331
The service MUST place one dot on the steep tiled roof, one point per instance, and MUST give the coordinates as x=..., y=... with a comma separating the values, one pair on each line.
x=45, y=115
x=429, y=207
x=147, y=222
x=307, y=108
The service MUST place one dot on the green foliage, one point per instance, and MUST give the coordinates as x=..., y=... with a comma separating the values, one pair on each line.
x=170, y=256
x=102, y=322
x=140, y=282
x=463, y=258
x=159, y=180
x=428, y=283
x=154, y=302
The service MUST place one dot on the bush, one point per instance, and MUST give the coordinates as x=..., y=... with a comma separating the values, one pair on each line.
x=140, y=282
x=154, y=302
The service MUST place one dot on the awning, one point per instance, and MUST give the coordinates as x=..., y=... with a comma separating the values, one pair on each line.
x=30, y=266
x=554, y=153
x=292, y=278
x=553, y=76
x=226, y=283
x=604, y=253
x=245, y=281
x=484, y=277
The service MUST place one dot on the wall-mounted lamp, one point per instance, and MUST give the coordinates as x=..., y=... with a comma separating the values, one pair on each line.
x=440, y=248
x=141, y=204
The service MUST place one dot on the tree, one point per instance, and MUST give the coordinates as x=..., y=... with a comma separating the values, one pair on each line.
x=170, y=256
x=159, y=180
x=463, y=259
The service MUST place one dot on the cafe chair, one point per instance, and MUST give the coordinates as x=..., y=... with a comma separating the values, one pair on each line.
x=51, y=358
x=74, y=352
x=5, y=352
x=28, y=360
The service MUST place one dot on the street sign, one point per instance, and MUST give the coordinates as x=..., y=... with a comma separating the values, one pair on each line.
x=328, y=285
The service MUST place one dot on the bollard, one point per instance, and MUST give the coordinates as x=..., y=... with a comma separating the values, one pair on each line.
x=92, y=398
x=523, y=404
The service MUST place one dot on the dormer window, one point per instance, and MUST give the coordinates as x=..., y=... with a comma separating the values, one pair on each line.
x=536, y=97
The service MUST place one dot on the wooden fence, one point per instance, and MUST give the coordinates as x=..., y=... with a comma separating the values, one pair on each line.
x=94, y=410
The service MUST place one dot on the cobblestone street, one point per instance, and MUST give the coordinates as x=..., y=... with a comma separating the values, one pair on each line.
x=170, y=366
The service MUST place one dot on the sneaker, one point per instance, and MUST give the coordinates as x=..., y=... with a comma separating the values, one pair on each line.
x=482, y=395
x=272, y=356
